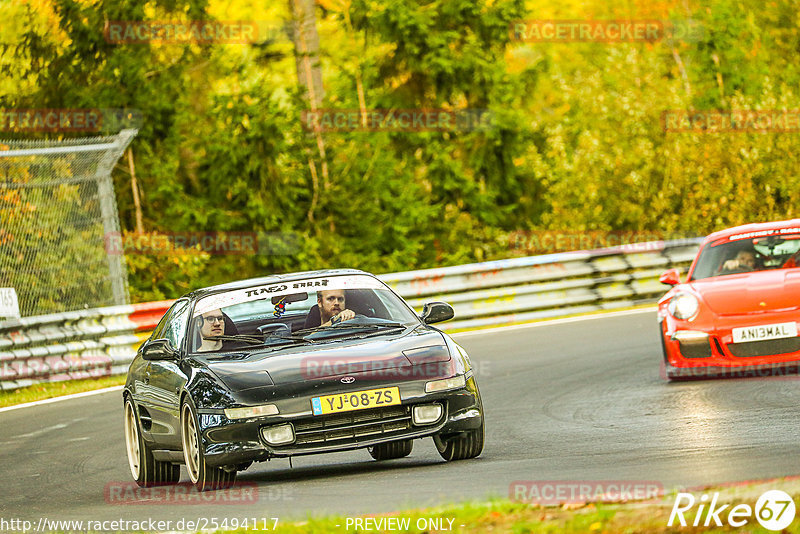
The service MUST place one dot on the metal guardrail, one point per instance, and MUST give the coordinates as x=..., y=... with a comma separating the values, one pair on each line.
x=73, y=345
x=536, y=287
x=103, y=341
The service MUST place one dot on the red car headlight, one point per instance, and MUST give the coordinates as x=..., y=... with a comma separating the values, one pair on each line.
x=684, y=306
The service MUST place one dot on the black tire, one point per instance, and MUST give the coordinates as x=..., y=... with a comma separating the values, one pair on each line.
x=464, y=445
x=203, y=476
x=391, y=450
x=146, y=470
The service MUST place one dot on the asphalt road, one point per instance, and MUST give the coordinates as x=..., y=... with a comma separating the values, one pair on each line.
x=580, y=401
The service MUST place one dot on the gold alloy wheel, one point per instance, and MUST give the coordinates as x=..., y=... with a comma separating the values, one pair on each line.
x=132, y=440
x=191, y=450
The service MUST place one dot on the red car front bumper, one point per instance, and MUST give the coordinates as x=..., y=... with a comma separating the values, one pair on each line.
x=688, y=354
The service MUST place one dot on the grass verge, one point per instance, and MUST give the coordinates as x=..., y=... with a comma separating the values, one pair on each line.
x=505, y=516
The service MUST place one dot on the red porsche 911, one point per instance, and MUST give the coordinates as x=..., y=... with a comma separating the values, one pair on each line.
x=737, y=312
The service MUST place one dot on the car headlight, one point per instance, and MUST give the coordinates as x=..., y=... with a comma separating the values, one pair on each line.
x=455, y=382
x=684, y=306
x=251, y=411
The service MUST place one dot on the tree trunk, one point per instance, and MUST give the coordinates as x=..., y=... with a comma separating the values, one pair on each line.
x=309, y=75
x=306, y=47
x=135, y=189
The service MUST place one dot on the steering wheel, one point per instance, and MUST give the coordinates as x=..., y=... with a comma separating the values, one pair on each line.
x=274, y=328
x=356, y=316
x=736, y=270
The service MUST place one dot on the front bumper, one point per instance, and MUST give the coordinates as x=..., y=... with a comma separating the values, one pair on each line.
x=228, y=442
x=718, y=355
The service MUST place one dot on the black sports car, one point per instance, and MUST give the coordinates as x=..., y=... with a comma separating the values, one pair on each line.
x=295, y=364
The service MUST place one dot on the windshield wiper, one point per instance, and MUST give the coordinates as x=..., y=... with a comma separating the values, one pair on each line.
x=346, y=324
x=253, y=340
x=289, y=338
x=345, y=328
x=382, y=325
x=239, y=337
x=377, y=332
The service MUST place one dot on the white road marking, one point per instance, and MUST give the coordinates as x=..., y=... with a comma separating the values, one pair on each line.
x=41, y=431
x=551, y=322
x=58, y=399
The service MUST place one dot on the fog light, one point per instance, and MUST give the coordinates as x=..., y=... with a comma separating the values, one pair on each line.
x=693, y=344
x=426, y=414
x=279, y=434
x=443, y=385
x=690, y=336
x=251, y=411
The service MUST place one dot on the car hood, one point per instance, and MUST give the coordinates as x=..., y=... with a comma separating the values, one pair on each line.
x=756, y=292
x=299, y=363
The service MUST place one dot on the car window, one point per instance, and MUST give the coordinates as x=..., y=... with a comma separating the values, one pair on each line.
x=781, y=250
x=175, y=329
x=282, y=308
x=158, y=331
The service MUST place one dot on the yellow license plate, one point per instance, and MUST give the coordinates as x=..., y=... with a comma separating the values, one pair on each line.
x=356, y=400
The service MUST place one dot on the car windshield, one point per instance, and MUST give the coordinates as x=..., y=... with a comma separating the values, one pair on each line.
x=747, y=253
x=297, y=312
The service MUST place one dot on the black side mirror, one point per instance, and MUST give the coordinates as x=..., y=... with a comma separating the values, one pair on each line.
x=159, y=349
x=436, y=312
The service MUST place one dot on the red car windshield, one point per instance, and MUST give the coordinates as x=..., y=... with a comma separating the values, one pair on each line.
x=732, y=256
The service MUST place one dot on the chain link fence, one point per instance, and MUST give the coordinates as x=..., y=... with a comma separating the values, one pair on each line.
x=57, y=207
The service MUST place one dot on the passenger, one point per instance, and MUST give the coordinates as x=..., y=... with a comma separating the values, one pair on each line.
x=211, y=323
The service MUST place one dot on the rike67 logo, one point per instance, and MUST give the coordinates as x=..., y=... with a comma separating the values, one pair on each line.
x=774, y=510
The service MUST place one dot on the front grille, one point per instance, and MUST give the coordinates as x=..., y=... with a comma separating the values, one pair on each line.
x=696, y=349
x=352, y=427
x=765, y=348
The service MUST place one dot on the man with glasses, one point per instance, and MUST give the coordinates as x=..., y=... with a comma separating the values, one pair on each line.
x=211, y=323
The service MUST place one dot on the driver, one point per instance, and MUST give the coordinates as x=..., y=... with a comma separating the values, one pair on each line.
x=332, y=308
x=745, y=260
x=211, y=323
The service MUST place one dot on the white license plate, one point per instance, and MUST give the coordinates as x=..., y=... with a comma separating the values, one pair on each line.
x=764, y=332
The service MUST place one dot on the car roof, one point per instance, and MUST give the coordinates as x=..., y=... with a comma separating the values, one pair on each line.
x=753, y=228
x=272, y=279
